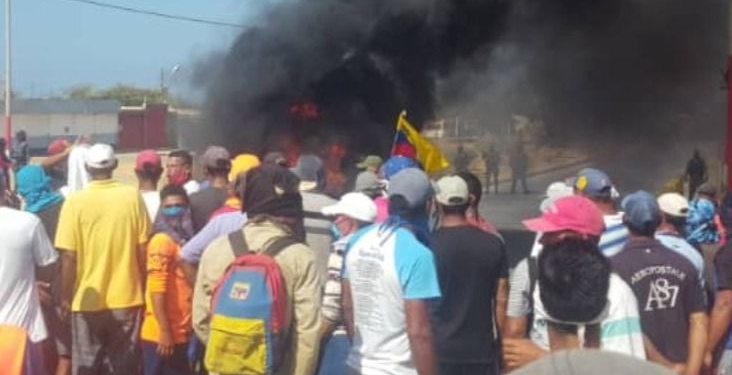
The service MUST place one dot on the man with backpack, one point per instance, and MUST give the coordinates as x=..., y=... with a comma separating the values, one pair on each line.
x=256, y=301
x=696, y=172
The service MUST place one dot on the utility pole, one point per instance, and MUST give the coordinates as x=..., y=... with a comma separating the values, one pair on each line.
x=8, y=121
x=728, y=152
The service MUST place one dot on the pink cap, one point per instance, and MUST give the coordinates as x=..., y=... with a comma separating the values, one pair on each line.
x=148, y=157
x=575, y=213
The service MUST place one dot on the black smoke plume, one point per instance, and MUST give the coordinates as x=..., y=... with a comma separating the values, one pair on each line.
x=609, y=68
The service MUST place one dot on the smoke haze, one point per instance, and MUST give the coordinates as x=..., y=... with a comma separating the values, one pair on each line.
x=619, y=69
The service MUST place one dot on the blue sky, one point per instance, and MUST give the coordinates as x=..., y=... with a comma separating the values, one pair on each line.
x=58, y=43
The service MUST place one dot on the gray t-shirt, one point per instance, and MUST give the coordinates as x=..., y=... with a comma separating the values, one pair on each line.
x=317, y=228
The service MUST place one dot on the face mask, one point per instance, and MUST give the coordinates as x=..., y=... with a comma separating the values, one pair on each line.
x=178, y=179
x=335, y=232
x=173, y=211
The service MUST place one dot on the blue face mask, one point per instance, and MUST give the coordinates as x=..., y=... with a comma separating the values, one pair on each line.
x=335, y=232
x=173, y=211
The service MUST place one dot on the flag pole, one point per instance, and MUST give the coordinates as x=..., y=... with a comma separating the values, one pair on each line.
x=403, y=113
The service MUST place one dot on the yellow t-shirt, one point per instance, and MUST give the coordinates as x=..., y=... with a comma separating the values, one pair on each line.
x=103, y=224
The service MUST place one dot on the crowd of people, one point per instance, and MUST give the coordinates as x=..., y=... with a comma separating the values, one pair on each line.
x=256, y=270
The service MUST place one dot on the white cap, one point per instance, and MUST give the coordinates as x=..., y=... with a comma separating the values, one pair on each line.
x=673, y=204
x=452, y=191
x=554, y=191
x=100, y=156
x=354, y=205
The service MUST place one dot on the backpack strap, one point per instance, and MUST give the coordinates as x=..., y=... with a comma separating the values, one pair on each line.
x=278, y=245
x=238, y=243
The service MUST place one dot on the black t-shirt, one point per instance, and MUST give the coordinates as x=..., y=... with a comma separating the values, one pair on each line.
x=204, y=203
x=668, y=291
x=469, y=264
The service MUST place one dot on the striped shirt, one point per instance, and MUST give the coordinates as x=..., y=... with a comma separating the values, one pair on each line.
x=614, y=236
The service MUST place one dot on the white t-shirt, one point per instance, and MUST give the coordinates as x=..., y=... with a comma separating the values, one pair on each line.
x=385, y=267
x=25, y=245
x=152, y=203
x=620, y=330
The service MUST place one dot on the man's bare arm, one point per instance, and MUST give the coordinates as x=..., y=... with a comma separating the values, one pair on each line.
x=501, y=304
x=68, y=280
x=516, y=327
x=421, y=341
x=698, y=325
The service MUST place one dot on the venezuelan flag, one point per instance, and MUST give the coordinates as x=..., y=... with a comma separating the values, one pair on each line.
x=409, y=142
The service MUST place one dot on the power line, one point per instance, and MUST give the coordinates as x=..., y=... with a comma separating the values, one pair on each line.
x=158, y=14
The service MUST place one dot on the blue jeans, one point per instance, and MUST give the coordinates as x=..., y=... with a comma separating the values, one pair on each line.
x=336, y=352
x=154, y=364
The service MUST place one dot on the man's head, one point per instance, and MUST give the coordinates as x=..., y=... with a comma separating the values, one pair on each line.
x=148, y=166
x=173, y=201
x=57, y=146
x=352, y=212
x=409, y=192
x=273, y=191
x=179, y=167
x=569, y=217
x=641, y=214
x=367, y=182
x=275, y=158
x=100, y=161
x=452, y=196
x=595, y=185
x=216, y=162
x=475, y=187
x=309, y=169
x=697, y=154
x=21, y=136
x=370, y=163
x=573, y=279
x=674, y=209
x=395, y=164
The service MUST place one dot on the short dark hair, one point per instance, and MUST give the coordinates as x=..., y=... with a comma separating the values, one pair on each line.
x=475, y=187
x=398, y=205
x=455, y=210
x=223, y=166
x=183, y=155
x=646, y=229
x=149, y=172
x=173, y=190
x=574, y=277
x=678, y=222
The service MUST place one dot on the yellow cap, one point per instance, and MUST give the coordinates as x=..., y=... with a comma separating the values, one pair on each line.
x=241, y=164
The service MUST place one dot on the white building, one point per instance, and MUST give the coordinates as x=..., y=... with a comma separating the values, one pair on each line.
x=46, y=119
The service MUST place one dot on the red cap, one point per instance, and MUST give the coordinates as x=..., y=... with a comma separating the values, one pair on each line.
x=149, y=157
x=575, y=213
x=58, y=146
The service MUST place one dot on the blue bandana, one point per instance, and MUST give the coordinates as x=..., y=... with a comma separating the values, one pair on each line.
x=34, y=185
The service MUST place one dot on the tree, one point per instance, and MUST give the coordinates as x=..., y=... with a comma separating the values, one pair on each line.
x=125, y=94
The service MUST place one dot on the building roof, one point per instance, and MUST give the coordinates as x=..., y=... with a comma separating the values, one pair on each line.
x=62, y=106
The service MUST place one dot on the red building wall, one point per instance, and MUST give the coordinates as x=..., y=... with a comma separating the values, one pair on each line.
x=143, y=127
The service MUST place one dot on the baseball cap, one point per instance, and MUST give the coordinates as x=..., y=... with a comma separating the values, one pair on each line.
x=673, y=204
x=575, y=213
x=395, y=164
x=413, y=185
x=554, y=191
x=241, y=164
x=595, y=362
x=594, y=183
x=216, y=157
x=370, y=161
x=100, y=156
x=148, y=158
x=368, y=182
x=309, y=169
x=641, y=210
x=452, y=191
x=354, y=205
x=275, y=158
x=58, y=146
